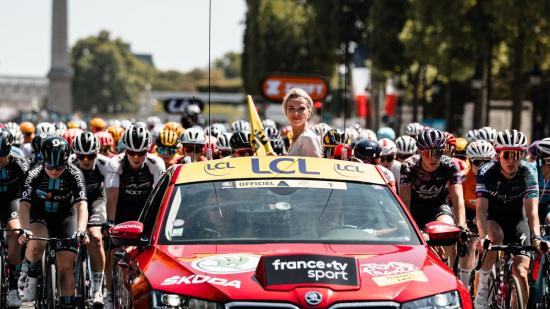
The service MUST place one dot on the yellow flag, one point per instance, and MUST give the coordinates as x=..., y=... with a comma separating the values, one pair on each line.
x=258, y=138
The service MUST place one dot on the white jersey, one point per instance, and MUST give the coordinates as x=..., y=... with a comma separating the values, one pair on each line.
x=154, y=165
x=306, y=145
x=396, y=171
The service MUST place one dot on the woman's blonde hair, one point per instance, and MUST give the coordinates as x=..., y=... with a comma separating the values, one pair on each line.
x=297, y=93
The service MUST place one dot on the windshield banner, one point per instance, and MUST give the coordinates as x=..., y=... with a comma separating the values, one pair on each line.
x=310, y=269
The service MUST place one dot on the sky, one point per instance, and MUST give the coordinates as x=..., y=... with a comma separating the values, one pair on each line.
x=175, y=32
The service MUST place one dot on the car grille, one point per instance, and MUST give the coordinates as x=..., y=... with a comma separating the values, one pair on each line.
x=355, y=305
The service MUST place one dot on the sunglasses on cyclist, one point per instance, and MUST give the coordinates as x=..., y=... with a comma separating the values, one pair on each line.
x=166, y=151
x=387, y=159
x=86, y=156
x=52, y=167
x=431, y=153
x=512, y=154
x=244, y=152
x=135, y=153
x=479, y=162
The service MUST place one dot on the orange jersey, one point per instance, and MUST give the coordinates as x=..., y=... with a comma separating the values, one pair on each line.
x=469, y=190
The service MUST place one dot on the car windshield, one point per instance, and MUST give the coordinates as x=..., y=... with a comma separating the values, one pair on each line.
x=285, y=210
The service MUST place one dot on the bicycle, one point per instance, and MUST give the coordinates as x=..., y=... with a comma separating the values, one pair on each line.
x=48, y=284
x=502, y=283
x=4, y=266
x=463, y=246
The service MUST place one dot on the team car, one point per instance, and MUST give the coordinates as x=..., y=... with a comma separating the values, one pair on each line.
x=280, y=232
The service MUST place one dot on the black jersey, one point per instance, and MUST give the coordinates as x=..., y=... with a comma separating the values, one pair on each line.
x=12, y=178
x=54, y=196
x=95, y=177
x=429, y=188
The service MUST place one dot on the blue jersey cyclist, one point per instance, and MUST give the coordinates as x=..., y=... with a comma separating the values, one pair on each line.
x=428, y=178
x=543, y=172
x=53, y=204
x=507, y=208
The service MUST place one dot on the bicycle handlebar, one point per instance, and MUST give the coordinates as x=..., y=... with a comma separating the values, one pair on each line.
x=512, y=248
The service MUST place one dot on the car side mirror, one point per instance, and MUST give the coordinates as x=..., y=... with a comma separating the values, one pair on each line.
x=127, y=234
x=441, y=234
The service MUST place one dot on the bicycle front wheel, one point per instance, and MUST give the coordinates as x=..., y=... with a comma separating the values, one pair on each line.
x=514, y=297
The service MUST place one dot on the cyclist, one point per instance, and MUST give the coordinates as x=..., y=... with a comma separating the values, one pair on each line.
x=460, y=149
x=167, y=145
x=428, y=178
x=387, y=158
x=117, y=132
x=27, y=129
x=223, y=145
x=507, y=208
x=53, y=204
x=406, y=147
x=331, y=139
x=240, y=125
x=368, y=151
x=413, y=129
x=478, y=153
x=94, y=167
x=240, y=144
x=36, y=145
x=106, y=143
x=13, y=171
x=278, y=146
x=543, y=171
x=97, y=124
x=192, y=141
x=386, y=132
x=131, y=177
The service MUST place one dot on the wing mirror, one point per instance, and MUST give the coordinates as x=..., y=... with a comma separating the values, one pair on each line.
x=441, y=234
x=127, y=234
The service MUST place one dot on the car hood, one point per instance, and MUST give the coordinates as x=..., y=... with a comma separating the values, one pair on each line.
x=275, y=272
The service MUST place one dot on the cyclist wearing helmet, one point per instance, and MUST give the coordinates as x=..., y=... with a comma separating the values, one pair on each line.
x=116, y=132
x=97, y=124
x=106, y=143
x=413, y=129
x=240, y=125
x=46, y=128
x=13, y=171
x=387, y=158
x=53, y=204
x=543, y=171
x=428, y=178
x=224, y=148
x=130, y=179
x=343, y=152
x=27, y=129
x=471, y=135
x=507, y=208
x=321, y=129
x=240, y=144
x=406, y=147
x=386, y=132
x=368, y=151
x=331, y=139
x=450, y=150
x=167, y=146
x=460, y=148
x=478, y=153
x=487, y=134
x=192, y=141
x=297, y=106
x=94, y=168
x=278, y=146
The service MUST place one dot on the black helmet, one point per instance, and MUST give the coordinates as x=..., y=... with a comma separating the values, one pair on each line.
x=278, y=146
x=85, y=143
x=431, y=139
x=55, y=151
x=367, y=149
x=272, y=133
x=6, y=141
x=37, y=141
x=240, y=139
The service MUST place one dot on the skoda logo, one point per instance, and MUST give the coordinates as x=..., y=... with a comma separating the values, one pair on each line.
x=313, y=298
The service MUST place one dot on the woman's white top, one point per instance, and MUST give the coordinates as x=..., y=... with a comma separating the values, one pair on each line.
x=307, y=144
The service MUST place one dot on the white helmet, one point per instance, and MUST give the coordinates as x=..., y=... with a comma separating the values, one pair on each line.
x=413, y=129
x=480, y=150
x=85, y=142
x=17, y=137
x=511, y=140
x=223, y=141
x=193, y=136
x=240, y=125
x=367, y=134
x=153, y=121
x=269, y=123
x=45, y=128
x=388, y=147
x=487, y=134
x=212, y=131
x=137, y=138
x=471, y=136
x=321, y=128
x=406, y=145
x=543, y=147
x=13, y=127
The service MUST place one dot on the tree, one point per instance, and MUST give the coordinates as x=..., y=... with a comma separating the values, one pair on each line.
x=107, y=76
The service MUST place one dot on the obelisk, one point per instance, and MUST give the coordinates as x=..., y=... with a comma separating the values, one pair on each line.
x=60, y=74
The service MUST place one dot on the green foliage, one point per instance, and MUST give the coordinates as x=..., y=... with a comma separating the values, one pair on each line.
x=107, y=77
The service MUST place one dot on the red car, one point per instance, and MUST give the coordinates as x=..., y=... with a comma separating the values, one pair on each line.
x=280, y=232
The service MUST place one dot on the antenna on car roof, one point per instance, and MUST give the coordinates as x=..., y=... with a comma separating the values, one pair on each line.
x=346, y=65
x=209, y=148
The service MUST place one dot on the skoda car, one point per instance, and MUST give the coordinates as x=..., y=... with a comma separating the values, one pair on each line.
x=280, y=232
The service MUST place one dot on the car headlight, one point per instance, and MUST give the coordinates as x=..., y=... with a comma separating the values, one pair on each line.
x=448, y=300
x=162, y=300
